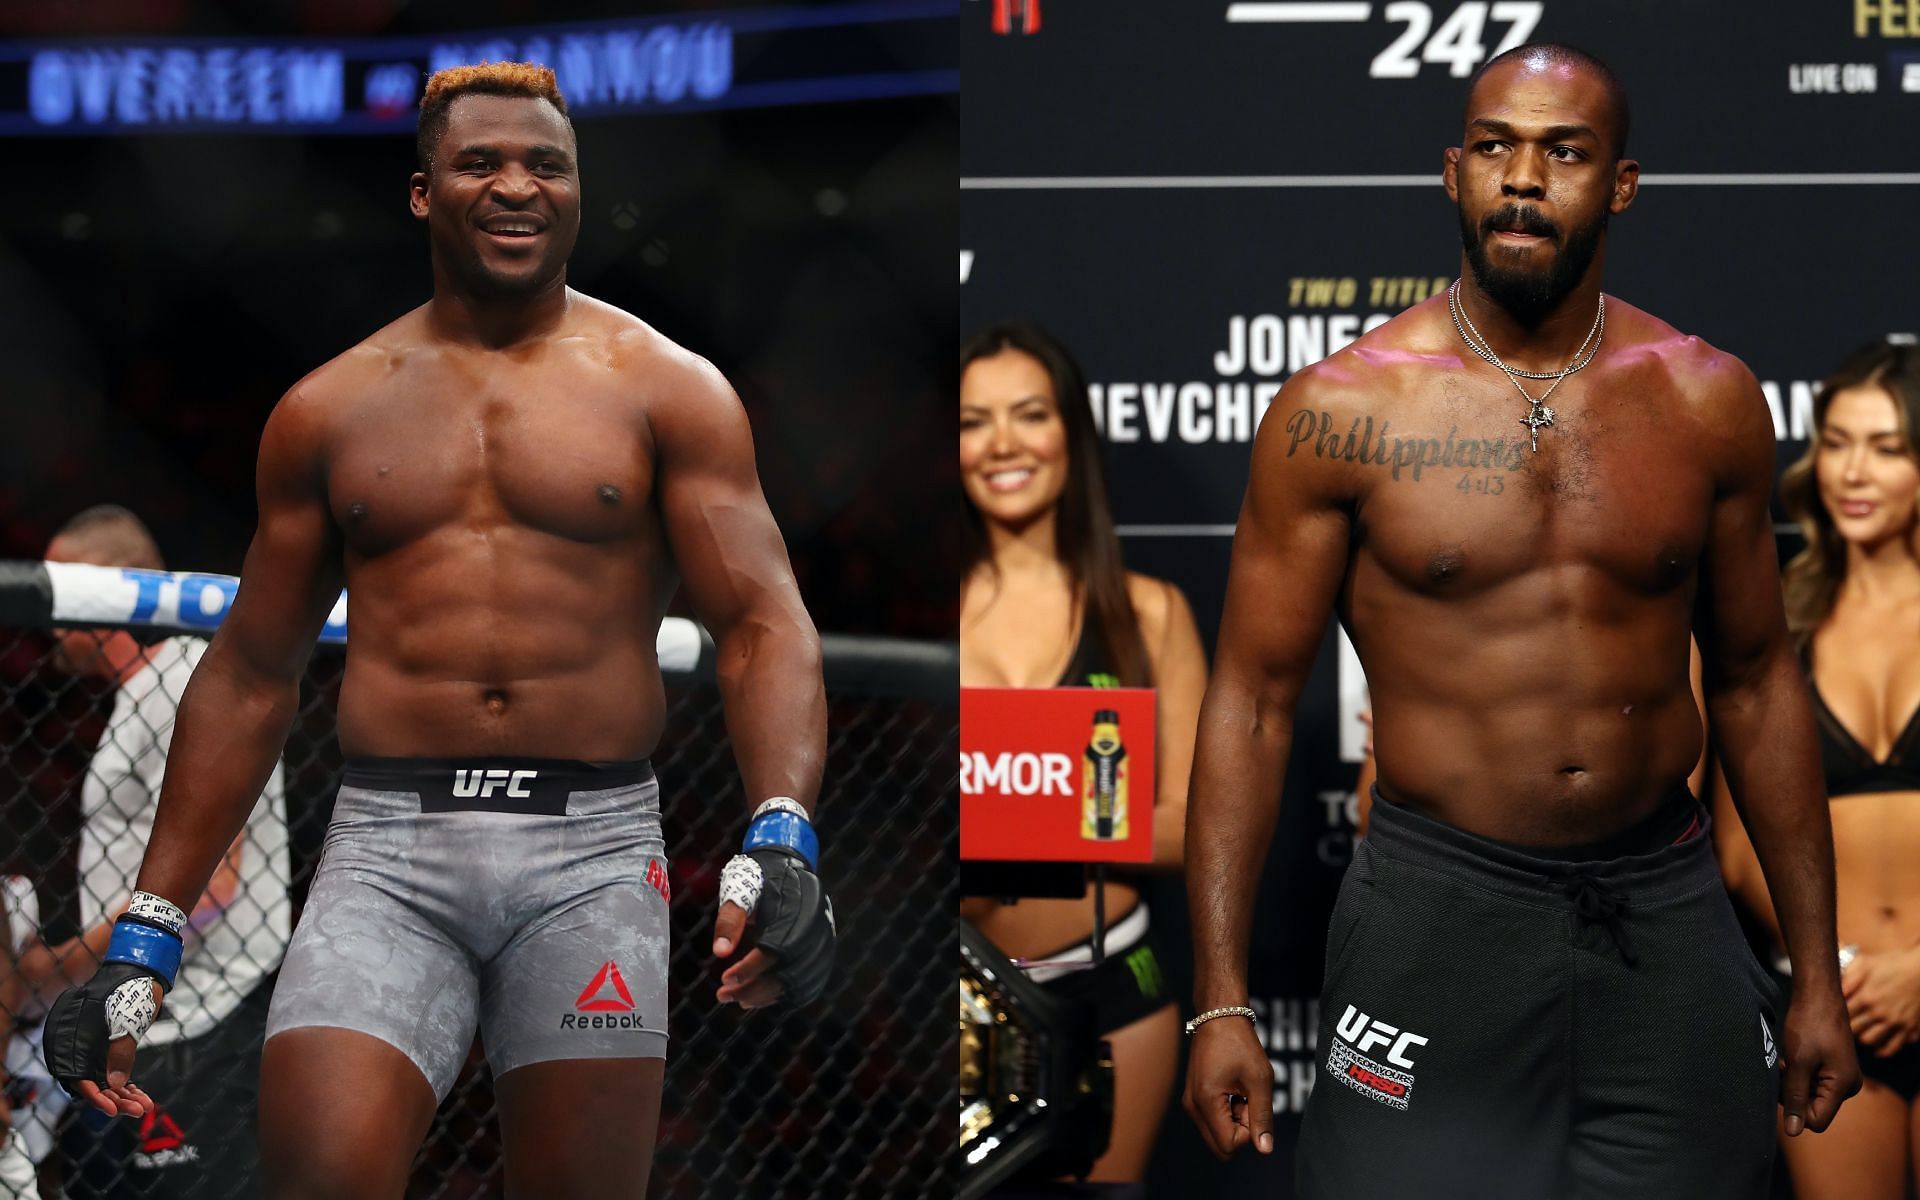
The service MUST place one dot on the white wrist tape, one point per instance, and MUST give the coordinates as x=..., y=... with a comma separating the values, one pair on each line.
x=164, y=913
x=131, y=1008
x=785, y=804
x=740, y=882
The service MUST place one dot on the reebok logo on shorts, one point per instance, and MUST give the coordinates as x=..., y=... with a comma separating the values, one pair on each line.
x=163, y=1143
x=1766, y=1043
x=607, y=993
x=608, y=999
x=657, y=878
x=1348, y=1058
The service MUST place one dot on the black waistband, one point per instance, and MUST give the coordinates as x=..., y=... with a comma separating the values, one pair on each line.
x=1667, y=854
x=1677, y=816
x=511, y=784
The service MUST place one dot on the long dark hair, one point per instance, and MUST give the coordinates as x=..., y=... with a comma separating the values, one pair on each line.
x=1084, y=538
x=1812, y=579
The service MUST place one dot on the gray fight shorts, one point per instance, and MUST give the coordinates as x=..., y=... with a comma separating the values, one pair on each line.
x=525, y=896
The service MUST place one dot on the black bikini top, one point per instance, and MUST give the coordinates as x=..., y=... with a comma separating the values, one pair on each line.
x=1850, y=770
x=1089, y=666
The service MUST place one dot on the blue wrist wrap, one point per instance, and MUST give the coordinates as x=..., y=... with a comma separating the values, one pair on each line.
x=784, y=829
x=144, y=946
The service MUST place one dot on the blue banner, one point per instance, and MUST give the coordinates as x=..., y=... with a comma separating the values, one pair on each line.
x=750, y=58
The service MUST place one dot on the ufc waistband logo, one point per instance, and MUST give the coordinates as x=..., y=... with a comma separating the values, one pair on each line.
x=468, y=784
x=1364, y=1034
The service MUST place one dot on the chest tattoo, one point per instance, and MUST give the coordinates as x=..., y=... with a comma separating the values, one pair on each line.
x=1360, y=442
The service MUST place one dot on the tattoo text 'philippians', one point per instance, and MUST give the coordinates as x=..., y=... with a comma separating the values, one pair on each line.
x=1361, y=443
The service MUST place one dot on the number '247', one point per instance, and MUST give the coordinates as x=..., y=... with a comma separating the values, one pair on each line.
x=1458, y=40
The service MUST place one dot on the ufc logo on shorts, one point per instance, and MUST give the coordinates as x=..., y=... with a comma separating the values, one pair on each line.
x=1365, y=1034
x=468, y=784
x=1347, y=1058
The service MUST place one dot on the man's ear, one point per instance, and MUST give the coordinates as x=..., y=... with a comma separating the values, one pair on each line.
x=1626, y=185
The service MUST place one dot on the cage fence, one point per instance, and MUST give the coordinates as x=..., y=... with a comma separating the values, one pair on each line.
x=850, y=1097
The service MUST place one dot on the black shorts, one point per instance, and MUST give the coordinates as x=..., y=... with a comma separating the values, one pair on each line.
x=202, y=1143
x=1496, y=1023
x=1126, y=986
x=1899, y=1071
x=1121, y=990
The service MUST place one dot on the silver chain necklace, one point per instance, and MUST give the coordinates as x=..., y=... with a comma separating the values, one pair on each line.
x=1538, y=414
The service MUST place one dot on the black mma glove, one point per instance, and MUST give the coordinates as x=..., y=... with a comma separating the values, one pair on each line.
x=118, y=1001
x=774, y=879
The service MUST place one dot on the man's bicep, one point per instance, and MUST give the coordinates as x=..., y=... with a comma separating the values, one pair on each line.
x=292, y=574
x=724, y=541
x=1740, y=619
x=1289, y=555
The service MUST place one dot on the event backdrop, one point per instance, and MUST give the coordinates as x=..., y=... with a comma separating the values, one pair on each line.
x=1203, y=197
x=219, y=205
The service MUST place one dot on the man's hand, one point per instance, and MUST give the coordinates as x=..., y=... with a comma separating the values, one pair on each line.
x=121, y=1097
x=752, y=982
x=775, y=890
x=1230, y=1087
x=1883, y=1000
x=91, y=1033
x=1819, y=1068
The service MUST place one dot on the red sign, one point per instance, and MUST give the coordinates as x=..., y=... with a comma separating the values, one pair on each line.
x=1006, y=12
x=1056, y=774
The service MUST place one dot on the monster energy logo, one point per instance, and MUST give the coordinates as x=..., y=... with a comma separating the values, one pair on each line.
x=1102, y=680
x=1146, y=971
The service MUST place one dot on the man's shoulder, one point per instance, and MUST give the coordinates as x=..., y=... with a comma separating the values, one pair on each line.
x=649, y=363
x=355, y=373
x=1689, y=360
x=1388, y=360
x=1701, y=376
x=1373, y=379
x=1703, y=392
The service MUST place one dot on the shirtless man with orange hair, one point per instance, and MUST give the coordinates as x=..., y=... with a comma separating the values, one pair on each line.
x=511, y=480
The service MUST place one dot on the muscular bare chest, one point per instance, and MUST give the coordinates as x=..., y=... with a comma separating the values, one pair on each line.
x=473, y=446
x=1453, y=499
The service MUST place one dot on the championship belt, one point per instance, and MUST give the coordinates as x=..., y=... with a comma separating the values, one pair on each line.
x=1036, y=1084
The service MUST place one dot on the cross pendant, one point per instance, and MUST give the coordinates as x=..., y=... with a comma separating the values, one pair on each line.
x=1537, y=416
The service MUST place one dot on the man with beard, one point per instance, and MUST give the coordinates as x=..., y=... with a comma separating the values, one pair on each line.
x=511, y=480
x=1523, y=499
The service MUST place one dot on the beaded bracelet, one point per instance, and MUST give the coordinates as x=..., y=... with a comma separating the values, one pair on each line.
x=1238, y=1010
